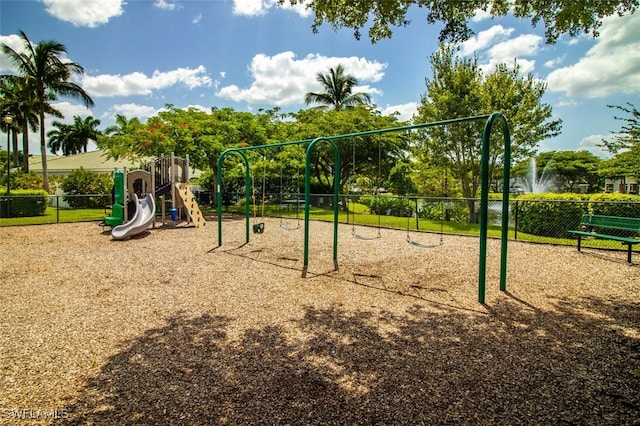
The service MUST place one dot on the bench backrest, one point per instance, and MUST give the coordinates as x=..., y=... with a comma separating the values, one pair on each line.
x=611, y=222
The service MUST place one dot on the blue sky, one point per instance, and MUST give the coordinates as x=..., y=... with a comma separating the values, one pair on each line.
x=139, y=55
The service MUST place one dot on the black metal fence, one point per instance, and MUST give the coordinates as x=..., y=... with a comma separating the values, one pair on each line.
x=542, y=221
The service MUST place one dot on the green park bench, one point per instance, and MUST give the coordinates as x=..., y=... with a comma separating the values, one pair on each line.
x=602, y=224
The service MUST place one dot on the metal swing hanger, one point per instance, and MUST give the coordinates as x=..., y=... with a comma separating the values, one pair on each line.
x=258, y=227
x=283, y=224
x=421, y=245
x=377, y=194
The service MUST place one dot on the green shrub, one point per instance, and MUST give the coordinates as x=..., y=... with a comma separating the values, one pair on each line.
x=21, y=180
x=24, y=203
x=541, y=214
x=623, y=205
x=84, y=189
x=388, y=205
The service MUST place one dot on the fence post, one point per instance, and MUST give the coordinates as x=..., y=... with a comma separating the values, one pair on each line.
x=417, y=220
x=57, y=209
x=515, y=225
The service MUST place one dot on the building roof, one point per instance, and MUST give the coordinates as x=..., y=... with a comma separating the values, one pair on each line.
x=96, y=161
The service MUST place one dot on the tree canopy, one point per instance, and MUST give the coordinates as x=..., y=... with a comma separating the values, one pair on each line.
x=558, y=16
x=459, y=89
x=628, y=137
x=47, y=74
x=625, y=145
x=73, y=138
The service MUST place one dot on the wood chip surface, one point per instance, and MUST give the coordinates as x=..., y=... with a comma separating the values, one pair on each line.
x=168, y=328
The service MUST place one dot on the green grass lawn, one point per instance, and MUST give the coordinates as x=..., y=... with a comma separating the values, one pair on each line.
x=358, y=215
x=361, y=217
x=52, y=215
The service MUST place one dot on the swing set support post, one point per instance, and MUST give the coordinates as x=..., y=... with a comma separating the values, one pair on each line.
x=484, y=203
x=307, y=201
x=247, y=190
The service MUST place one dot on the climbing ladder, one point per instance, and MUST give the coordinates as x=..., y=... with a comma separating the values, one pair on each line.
x=188, y=201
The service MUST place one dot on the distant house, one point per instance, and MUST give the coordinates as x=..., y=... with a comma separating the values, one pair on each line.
x=625, y=185
x=95, y=161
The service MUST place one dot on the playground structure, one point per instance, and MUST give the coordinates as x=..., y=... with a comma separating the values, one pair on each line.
x=161, y=178
x=490, y=120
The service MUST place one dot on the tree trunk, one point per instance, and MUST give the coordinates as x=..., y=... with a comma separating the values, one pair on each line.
x=473, y=216
x=43, y=151
x=25, y=148
x=14, y=140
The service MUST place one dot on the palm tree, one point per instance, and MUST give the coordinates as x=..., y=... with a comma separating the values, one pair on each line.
x=17, y=99
x=123, y=126
x=118, y=140
x=59, y=137
x=84, y=130
x=73, y=138
x=338, y=87
x=47, y=74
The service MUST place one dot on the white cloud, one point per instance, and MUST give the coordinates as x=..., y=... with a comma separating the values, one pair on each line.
x=495, y=47
x=165, y=5
x=138, y=83
x=70, y=110
x=197, y=107
x=196, y=19
x=261, y=7
x=284, y=80
x=552, y=63
x=86, y=13
x=131, y=110
x=301, y=9
x=481, y=15
x=406, y=111
x=590, y=143
x=485, y=39
x=249, y=7
x=516, y=48
x=567, y=103
x=14, y=41
x=611, y=66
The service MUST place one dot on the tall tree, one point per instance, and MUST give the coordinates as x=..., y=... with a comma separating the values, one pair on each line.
x=59, y=137
x=73, y=138
x=625, y=145
x=459, y=89
x=371, y=156
x=559, y=16
x=83, y=131
x=48, y=74
x=628, y=136
x=338, y=88
x=17, y=98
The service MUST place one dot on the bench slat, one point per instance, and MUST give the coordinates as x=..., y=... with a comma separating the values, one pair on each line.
x=611, y=222
x=606, y=237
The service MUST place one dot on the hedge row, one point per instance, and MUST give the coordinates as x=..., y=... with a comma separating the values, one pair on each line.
x=552, y=215
x=24, y=203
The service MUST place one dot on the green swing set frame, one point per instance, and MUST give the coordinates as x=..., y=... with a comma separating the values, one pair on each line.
x=490, y=121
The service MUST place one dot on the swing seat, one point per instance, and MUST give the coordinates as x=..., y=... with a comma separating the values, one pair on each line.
x=362, y=237
x=258, y=228
x=289, y=228
x=417, y=244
